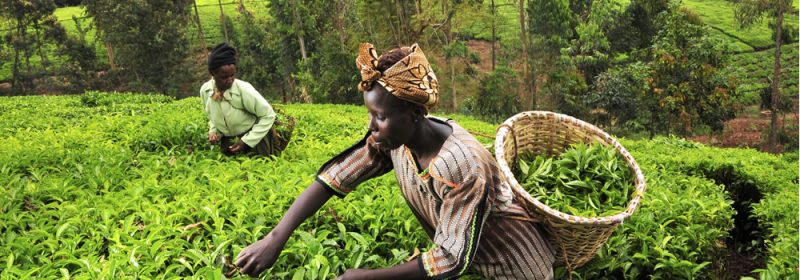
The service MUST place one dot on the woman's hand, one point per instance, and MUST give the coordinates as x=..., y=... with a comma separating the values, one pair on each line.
x=354, y=274
x=260, y=255
x=213, y=138
x=240, y=146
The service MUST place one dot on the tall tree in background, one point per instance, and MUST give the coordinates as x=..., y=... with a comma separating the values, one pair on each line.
x=493, y=9
x=454, y=52
x=686, y=86
x=441, y=38
x=550, y=27
x=259, y=55
x=637, y=26
x=749, y=12
x=590, y=50
x=528, y=78
x=329, y=72
x=26, y=15
x=389, y=22
x=200, y=34
x=223, y=22
x=296, y=29
x=149, y=39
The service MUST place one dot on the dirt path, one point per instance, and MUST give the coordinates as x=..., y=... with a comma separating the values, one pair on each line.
x=747, y=131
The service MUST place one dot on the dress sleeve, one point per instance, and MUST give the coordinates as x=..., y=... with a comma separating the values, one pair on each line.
x=204, y=98
x=359, y=163
x=464, y=210
x=259, y=107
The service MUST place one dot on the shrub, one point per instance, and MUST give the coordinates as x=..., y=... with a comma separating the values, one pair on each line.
x=70, y=172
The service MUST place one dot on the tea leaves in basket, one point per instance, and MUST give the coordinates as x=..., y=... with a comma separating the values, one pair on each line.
x=585, y=180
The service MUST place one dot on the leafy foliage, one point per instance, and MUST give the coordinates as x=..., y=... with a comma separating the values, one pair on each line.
x=618, y=93
x=686, y=85
x=496, y=97
x=34, y=34
x=113, y=190
x=157, y=63
x=584, y=180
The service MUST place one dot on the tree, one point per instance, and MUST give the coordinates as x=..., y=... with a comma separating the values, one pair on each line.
x=635, y=28
x=223, y=22
x=496, y=100
x=149, y=39
x=200, y=34
x=390, y=22
x=590, y=50
x=528, y=80
x=441, y=38
x=25, y=44
x=619, y=94
x=685, y=86
x=297, y=31
x=457, y=57
x=259, y=60
x=550, y=26
x=749, y=12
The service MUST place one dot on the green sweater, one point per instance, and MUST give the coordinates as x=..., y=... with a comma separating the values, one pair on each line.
x=241, y=109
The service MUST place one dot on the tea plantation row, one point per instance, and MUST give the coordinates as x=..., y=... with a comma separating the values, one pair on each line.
x=117, y=186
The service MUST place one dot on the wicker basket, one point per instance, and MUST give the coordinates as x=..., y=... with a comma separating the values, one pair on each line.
x=577, y=238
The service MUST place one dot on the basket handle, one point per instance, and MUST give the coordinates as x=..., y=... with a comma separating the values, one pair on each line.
x=513, y=136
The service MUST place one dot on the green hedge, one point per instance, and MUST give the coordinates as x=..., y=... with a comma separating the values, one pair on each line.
x=775, y=177
x=110, y=190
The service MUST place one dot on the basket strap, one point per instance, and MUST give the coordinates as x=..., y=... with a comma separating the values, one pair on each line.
x=514, y=136
x=480, y=134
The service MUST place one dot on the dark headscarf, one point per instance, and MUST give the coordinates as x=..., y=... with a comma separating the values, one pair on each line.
x=221, y=55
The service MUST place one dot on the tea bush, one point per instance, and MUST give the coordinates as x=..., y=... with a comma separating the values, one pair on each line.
x=127, y=187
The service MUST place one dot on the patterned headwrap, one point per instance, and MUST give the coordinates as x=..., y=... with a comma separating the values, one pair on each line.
x=410, y=79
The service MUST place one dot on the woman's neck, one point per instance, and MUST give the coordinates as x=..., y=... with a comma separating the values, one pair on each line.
x=429, y=138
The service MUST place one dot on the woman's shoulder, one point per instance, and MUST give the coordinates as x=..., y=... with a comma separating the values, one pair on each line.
x=462, y=157
x=243, y=87
x=207, y=86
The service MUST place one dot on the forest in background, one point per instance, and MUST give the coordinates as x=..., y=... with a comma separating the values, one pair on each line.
x=635, y=68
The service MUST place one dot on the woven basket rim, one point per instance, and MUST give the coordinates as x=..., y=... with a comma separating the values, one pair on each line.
x=618, y=218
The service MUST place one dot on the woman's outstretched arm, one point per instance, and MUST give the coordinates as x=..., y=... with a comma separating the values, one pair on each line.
x=262, y=254
x=408, y=271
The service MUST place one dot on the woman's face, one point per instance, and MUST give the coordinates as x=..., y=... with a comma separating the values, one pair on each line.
x=224, y=76
x=391, y=122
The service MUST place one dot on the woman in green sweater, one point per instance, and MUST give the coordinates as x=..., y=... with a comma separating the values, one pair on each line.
x=239, y=118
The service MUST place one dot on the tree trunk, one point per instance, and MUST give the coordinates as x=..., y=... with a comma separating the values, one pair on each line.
x=494, y=34
x=300, y=40
x=772, y=144
x=222, y=21
x=453, y=85
x=298, y=31
x=15, y=69
x=341, y=8
x=524, y=40
x=45, y=61
x=200, y=33
x=402, y=20
x=23, y=31
x=110, y=52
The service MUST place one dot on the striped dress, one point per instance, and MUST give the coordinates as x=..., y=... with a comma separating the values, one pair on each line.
x=462, y=201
